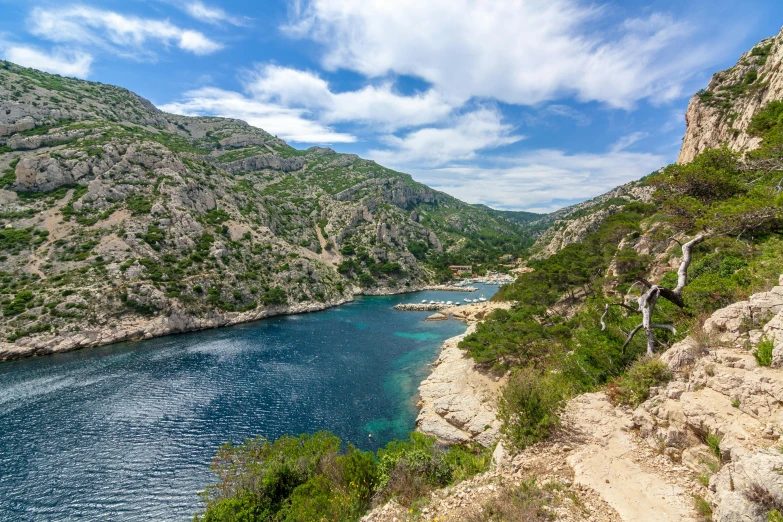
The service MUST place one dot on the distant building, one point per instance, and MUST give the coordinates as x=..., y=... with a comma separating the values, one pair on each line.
x=461, y=269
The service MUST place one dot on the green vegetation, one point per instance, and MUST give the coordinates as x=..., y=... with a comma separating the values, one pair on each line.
x=528, y=502
x=633, y=388
x=763, y=352
x=309, y=478
x=554, y=354
x=703, y=508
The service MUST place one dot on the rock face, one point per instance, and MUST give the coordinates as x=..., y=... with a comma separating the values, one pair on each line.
x=722, y=396
x=572, y=224
x=720, y=114
x=122, y=222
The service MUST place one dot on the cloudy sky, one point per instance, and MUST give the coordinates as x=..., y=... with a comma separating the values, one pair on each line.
x=517, y=104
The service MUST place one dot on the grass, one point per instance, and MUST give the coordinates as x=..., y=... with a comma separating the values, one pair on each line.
x=713, y=440
x=527, y=503
x=763, y=352
x=703, y=508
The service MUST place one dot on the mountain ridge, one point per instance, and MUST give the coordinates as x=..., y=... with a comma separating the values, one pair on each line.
x=127, y=222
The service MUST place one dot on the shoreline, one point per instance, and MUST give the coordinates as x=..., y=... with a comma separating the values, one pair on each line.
x=137, y=329
x=457, y=401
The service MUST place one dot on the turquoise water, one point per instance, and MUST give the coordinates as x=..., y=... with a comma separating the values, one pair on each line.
x=127, y=432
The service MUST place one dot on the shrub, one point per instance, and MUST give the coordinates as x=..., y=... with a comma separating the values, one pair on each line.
x=308, y=478
x=529, y=406
x=138, y=204
x=274, y=296
x=528, y=502
x=763, y=352
x=634, y=387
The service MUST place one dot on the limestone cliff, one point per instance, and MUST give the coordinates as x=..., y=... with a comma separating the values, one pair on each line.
x=720, y=114
x=119, y=221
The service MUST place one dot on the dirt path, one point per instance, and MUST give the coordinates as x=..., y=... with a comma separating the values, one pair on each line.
x=327, y=256
x=611, y=461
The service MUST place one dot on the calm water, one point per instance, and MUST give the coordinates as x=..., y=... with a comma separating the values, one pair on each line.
x=127, y=432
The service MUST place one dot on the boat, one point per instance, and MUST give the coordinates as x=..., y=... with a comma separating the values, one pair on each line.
x=467, y=300
x=482, y=298
x=432, y=302
x=423, y=301
x=449, y=302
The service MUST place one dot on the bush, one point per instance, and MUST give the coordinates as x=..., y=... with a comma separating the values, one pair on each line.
x=274, y=296
x=308, y=478
x=529, y=406
x=528, y=502
x=634, y=387
x=763, y=352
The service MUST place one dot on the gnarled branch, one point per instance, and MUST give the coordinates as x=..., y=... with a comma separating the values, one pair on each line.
x=649, y=299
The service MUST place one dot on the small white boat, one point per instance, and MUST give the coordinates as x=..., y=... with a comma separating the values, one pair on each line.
x=466, y=300
x=423, y=301
x=449, y=302
x=432, y=302
x=482, y=298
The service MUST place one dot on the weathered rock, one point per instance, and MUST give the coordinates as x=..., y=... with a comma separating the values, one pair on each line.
x=740, y=484
x=710, y=123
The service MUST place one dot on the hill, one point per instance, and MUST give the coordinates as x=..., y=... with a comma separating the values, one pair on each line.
x=120, y=221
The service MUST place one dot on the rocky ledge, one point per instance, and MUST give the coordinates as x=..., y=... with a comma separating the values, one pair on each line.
x=458, y=402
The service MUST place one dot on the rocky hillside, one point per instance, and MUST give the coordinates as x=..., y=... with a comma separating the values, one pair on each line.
x=572, y=224
x=120, y=221
x=703, y=446
x=721, y=113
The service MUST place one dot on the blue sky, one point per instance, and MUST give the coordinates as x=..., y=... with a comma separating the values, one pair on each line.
x=517, y=104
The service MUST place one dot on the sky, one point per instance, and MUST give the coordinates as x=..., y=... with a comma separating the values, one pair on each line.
x=517, y=104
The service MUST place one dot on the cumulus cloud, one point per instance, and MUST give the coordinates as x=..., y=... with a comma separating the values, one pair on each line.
x=541, y=180
x=379, y=105
x=121, y=34
x=59, y=61
x=516, y=51
x=481, y=129
x=210, y=14
x=288, y=123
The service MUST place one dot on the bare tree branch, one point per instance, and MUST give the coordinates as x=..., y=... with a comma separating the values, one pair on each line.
x=649, y=299
x=630, y=337
x=606, y=311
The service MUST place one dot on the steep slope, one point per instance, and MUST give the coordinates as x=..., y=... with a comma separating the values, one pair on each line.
x=121, y=221
x=721, y=113
x=572, y=224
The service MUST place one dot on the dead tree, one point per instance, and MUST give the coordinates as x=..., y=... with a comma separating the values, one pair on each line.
x=649, y=299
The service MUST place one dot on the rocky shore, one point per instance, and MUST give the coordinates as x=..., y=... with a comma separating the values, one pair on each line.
x=136, y=328
x=709, y=439
x=457, y=400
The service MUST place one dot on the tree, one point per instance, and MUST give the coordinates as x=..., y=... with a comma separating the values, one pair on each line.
x=648, y=299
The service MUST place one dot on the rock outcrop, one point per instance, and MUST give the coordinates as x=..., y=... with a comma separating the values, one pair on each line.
x=722, y=416
x=720, y=114
x=458, y=402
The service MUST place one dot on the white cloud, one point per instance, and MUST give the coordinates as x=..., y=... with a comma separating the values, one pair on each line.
x=287, y=123
x=59, y=61
x=628, y=140
x=541, y=180
x=125, y=35
x=210, y=14
x=516, y=51
x=481, y=129
x=372, y=104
